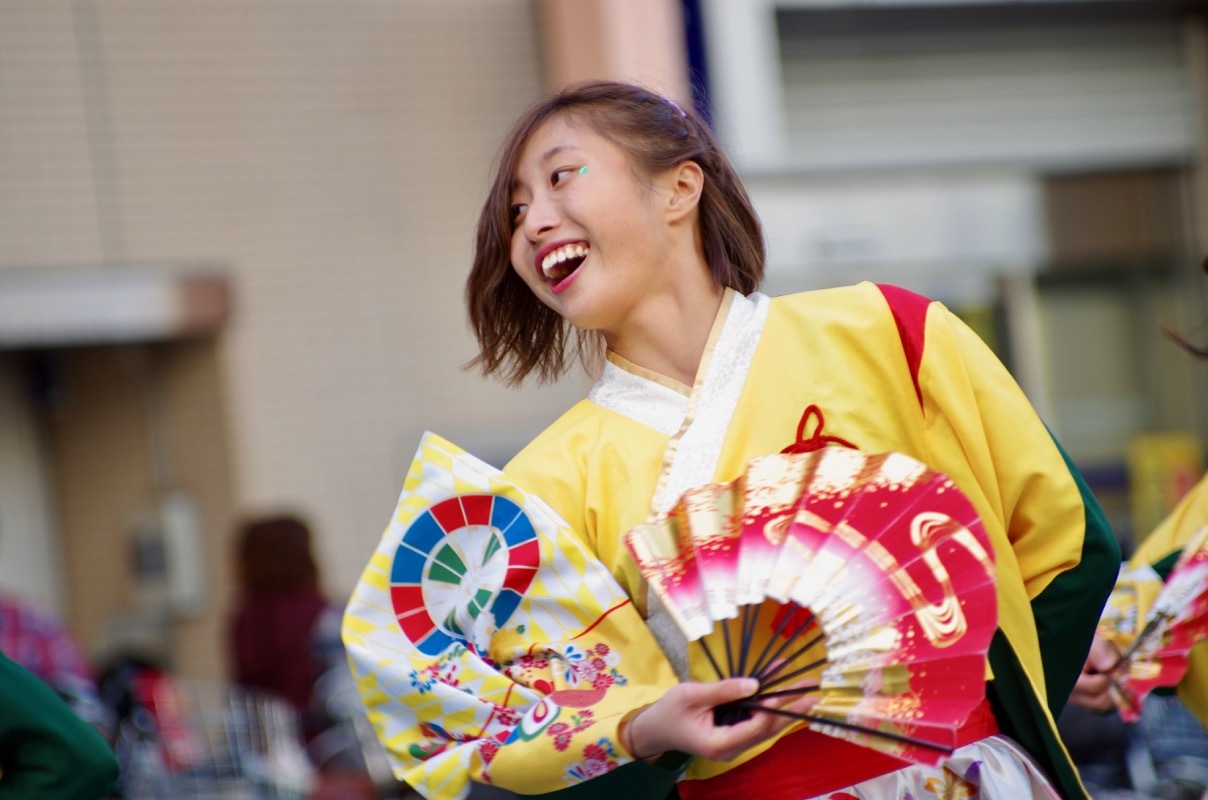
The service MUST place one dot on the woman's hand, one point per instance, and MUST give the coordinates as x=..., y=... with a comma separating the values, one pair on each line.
x=682, y=720
x=1093, y=688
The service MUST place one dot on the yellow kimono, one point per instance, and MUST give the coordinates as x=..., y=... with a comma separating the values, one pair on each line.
x=881, y=369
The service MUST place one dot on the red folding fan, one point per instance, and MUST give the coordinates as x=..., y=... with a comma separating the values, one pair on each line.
x=871, y=574
x=1176, y=621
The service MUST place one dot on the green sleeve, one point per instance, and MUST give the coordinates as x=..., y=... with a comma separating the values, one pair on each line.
x=1066, y=613
x=1165, y=565
x=46, y=751
x=1068, y=609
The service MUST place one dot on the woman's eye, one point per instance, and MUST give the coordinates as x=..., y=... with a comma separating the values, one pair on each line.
x=516, y=212
x=556, y=177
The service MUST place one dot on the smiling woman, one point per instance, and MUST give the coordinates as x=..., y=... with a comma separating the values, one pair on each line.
x=615, y=221
x=631, y=149
x=611, y=249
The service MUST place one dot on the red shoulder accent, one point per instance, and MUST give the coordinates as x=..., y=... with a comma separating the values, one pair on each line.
x=910, y=315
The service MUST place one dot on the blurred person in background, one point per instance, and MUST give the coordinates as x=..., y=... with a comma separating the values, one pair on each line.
x=46, y=751
x=285, y=640
x=284, y=633
x=1165, y=754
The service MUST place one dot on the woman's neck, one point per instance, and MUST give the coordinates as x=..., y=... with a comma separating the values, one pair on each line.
x=673, y=329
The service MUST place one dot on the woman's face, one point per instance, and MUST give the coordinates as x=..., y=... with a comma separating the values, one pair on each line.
x=587, y=235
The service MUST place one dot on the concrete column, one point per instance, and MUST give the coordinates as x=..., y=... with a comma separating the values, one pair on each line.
x=640, y=41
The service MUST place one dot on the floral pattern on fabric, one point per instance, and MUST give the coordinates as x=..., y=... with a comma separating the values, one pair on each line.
x=443, y=671
x=598, y=758
x=563, y=731
x=950, y=786
x=488, y=643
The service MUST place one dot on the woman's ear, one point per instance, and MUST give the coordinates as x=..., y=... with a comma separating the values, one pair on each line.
x=687, y=181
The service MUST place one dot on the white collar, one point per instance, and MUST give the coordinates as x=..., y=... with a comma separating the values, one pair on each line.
x=696, y=423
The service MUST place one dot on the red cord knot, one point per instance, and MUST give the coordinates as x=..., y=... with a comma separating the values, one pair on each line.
x=817, y=440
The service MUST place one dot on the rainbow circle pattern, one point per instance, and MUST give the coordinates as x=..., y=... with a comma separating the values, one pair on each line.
x=461, y=568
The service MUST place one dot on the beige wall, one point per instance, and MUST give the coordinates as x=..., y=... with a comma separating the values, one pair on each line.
x=29, y=540
x=130, y=423
x=333, y=156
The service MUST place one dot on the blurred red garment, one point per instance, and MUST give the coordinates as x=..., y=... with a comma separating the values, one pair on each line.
x=271, y=643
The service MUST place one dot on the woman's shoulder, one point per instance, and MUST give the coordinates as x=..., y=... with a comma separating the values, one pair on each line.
x=573, y=418
x=558, y=445
x=581, y=431
x=587, y=441
x=855, y=296
x=554, y=464
x=862, y=305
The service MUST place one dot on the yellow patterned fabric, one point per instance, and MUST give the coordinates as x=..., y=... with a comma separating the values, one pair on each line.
x=1166, y=540
x=487, y=643
x=883, y=370
x=842, y=351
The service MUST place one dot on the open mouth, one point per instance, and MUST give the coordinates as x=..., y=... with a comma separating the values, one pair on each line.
x=560, y=263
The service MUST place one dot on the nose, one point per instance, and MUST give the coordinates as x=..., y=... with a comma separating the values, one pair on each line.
x=541, y=217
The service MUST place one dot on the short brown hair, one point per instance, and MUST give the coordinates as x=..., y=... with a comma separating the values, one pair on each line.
x=517, y=333
x=273, y=555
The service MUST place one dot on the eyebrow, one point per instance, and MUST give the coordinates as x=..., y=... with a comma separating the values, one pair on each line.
x=555, y=150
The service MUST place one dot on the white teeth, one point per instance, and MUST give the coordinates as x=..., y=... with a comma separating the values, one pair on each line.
x=556, y=257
